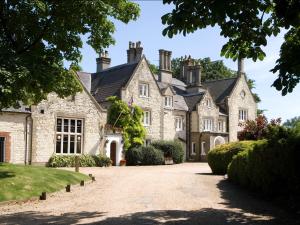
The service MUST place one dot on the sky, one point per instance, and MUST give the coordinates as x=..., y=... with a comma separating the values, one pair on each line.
x=202, y=43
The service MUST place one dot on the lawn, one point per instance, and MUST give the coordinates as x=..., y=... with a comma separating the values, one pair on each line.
x=19, y=182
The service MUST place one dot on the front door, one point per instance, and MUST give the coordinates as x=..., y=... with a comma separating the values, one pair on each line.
x=113, y=149
x=2, y=149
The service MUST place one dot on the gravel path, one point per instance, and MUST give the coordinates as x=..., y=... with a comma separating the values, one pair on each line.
x=179, y=194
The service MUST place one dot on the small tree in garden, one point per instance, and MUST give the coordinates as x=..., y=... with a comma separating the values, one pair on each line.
x=257, y=129
x=129, y=119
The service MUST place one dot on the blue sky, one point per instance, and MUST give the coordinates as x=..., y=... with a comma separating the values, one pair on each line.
x=203, y=43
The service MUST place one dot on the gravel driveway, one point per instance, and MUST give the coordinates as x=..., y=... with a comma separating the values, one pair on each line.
x=178, y=194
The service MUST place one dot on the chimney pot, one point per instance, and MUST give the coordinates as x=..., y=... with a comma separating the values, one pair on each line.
x=103, y=62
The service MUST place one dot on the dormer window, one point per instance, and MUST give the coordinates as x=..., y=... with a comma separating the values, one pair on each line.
x=144, y=90
x=168, y=101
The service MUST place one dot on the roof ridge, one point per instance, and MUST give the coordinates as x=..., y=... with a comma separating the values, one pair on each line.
x=229, y=78
x=116, y=67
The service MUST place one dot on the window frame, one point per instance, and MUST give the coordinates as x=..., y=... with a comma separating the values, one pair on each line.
x=208, y=124
x=144, y=90
x=243, y=115
x=179, y=122
x=148, y=112
x=61, y=133
x=169, y=101
x=194, y=148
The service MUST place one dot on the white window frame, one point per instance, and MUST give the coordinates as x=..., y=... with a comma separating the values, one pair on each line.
x=243, y=114
x=202, y=148
x=178, y=123
x=208, y=124
x=168, y=101
x=193, y=148
x=147, y=118
x=208, y=102
x=144, y=90
x=78, y=136
x=221, y=128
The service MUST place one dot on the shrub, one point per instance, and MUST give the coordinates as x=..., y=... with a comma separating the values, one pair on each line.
x=152, y=156
x=271, y=167
x=220, y=157
x=84, y=160
x=134, y=156
x=172, y=149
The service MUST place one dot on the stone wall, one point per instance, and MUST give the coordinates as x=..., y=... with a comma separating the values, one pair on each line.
x=80, y=107
x=236, y=102
x=153, y=103
x=13, y=127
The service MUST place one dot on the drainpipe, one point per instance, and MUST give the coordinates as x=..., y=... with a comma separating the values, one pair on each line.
x=26, y=138
x=188, y=130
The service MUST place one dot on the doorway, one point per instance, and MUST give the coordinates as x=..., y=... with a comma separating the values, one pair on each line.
x=113, y=153
x=2, y=149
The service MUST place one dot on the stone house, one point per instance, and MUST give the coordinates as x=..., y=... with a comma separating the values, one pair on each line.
x=199, y=114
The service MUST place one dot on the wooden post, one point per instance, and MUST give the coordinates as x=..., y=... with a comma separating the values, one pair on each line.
x=77, y=163
x=82, y=183
x=68, y=188
x=43, y=196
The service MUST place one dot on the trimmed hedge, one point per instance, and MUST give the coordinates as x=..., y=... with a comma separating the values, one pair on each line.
x=220, y=157
x=172, y=149
x=272, y=167
x=144, y=156
x=84, y=161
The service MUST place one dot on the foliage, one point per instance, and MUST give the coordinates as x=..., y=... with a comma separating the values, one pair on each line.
x=172, y=149
x=134, y=156
x=257, y=129
x=270, y=164
x=211, y=70
x=37, y=36
x=20, y=182
x=154, y=69
x=84, y=161
x=246, y=25
x=293, y=122
x=220, y=157
x=144, y=156
x=152, y=156
x=129, y=119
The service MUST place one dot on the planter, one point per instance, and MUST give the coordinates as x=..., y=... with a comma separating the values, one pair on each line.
x=122, y=162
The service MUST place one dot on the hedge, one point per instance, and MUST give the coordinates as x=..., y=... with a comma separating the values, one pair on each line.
x=84, y=161
x=272, y=167
x=220, y=157
x=144, y=156
x=172, y=149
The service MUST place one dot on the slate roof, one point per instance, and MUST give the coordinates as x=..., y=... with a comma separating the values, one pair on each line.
x=85, y=79
x=22, y=109
x=220, y=89
x=193, y=99
x=110, y=81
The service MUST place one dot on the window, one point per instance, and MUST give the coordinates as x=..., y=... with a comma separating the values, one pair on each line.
x=243, y=115
x=169, y=101
x=69, y=136
x=221, y=126
x=207, y=125
x=208, y=103
x=178, y=124
x=243, y=94
x=146, y=118
x=193, y=148
x=144, y=90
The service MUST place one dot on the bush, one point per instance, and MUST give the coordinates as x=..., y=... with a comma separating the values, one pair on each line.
x=271, y=167
x=84, y=161
x=172, y=149
x=220, y=157
x=134, y=156
x=152, y=156
x=144, y=156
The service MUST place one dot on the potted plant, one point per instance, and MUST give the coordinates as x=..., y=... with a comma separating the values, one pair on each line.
x=122, y=162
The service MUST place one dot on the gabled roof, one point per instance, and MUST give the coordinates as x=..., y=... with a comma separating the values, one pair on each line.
x=109, y=82
x=220, y=89
x=85, y=79
x=193, y=99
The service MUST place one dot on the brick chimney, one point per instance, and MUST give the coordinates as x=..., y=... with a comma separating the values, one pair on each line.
x=103, y=62
x=191, y=73
x=134, y=52
x=165, y=70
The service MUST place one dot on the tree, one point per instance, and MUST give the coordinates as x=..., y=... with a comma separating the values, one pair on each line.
x=293, y=122
x=120, y=115
x=246, y=25
x=37, y=35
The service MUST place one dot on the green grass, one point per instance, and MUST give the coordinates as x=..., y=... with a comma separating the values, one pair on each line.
x=19, y=182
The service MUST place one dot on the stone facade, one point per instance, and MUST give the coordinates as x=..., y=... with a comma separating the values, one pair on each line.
x=13, y=129
x=45, y=115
